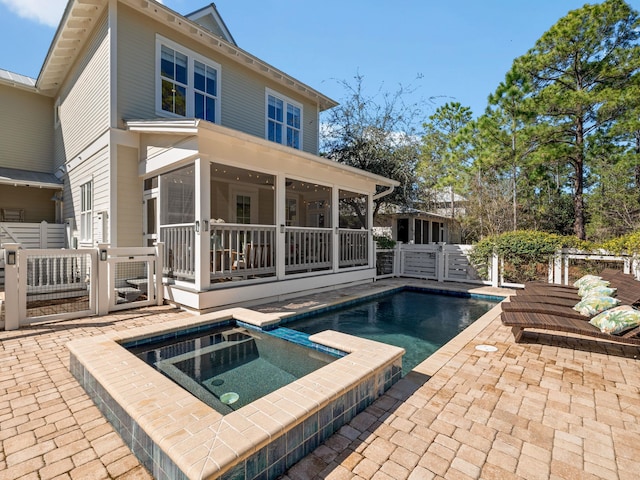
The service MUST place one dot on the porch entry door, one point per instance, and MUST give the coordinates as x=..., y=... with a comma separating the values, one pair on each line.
x=150, y=218
x=244, y=205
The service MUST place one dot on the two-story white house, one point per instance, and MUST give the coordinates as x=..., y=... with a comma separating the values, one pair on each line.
x=148, y=126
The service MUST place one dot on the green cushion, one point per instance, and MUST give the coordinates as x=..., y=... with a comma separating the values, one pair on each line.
x=616, y=320
x=590, y=306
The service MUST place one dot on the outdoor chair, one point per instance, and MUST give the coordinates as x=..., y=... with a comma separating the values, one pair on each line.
x=520, y=321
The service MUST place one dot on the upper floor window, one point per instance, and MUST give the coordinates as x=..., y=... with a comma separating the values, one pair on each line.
x=188, y=84
x=284, y=120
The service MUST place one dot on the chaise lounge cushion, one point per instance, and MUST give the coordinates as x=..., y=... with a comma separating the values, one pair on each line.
x=585, y=280
x=599, y=290
x=583, y=289
x=616, y=320
x=590, y=306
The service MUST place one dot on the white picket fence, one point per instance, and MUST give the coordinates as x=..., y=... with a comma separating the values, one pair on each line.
x=443, y=262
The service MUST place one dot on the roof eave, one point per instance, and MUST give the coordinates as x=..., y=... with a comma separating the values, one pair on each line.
x=195, y=126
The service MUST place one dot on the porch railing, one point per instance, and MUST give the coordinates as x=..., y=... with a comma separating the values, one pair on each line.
x=354, y=247
x=307, y=249
x=179, y=253
x=239, y=249
x=247, y=251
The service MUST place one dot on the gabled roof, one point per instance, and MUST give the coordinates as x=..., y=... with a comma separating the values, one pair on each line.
x=210, y=19
x=81, y=16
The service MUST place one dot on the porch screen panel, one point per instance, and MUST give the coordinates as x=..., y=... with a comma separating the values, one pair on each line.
x=353, y=210
x=178, y=196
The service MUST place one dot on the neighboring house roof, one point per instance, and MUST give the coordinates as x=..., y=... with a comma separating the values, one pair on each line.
x=400, y=211
x=26, y=178
x=210, y=19
x=444, y=196
x=17, y=80
x=80, y=16
x=197, y=126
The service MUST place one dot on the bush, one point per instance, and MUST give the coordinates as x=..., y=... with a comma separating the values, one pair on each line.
x=525, y=253
x=629, y=244
x=385, y=243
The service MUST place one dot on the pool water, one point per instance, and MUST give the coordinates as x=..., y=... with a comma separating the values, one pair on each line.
x=228, y=368
x=419, y=322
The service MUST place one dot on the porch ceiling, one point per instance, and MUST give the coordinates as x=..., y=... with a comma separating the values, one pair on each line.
x=206, y=131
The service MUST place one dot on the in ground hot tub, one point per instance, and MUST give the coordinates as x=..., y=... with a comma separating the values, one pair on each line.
x=230, y=367
x=177, y=436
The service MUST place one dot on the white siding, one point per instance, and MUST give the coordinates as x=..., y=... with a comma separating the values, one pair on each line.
x=95, y=168
x=242, y=93
x=129, y=199
x=84, y=98
x=26, y=130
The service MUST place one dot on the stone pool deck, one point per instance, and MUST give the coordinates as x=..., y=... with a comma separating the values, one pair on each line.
x=550, y=407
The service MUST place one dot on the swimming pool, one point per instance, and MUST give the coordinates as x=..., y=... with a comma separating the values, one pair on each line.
x=418, y=321
x=230, y=367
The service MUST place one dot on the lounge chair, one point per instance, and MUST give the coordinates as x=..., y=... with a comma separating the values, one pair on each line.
x=519, y=321
x=543, y=307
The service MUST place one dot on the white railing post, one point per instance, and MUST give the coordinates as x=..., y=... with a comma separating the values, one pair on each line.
x=441, y=263
x=44, y=235
x=397, y=271
x=12, y=297
x=495, y=270
x=104, y=293
x=159, y=269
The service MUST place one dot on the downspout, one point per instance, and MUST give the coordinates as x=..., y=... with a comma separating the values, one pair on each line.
x=384, y=193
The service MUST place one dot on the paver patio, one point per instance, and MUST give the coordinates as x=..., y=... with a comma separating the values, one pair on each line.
x=552, y=407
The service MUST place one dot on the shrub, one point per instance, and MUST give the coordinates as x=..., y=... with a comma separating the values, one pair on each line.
x=385, y=243
x=525, y=253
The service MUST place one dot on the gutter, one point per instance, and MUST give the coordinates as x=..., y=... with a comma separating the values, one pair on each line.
x=384, y=193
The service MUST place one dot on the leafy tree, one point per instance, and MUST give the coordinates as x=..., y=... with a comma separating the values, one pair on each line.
x=445, y=158
x=579, y=71
x=375, y=133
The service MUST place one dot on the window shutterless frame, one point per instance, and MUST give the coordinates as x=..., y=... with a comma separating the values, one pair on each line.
x=283, y=119
x=187, y=83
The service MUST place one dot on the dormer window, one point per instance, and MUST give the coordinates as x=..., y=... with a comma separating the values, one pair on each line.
x=188, y=84
x=284, y=120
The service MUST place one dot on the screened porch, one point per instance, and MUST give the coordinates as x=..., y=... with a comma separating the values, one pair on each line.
x=253, y=226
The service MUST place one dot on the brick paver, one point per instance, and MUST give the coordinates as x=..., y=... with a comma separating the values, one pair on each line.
x=550, y=407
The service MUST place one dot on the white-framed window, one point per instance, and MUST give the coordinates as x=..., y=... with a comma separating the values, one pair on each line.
x=86, y=212
x=284, y=120
x=188, y=84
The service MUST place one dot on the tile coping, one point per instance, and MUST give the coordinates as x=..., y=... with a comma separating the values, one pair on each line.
x=201, y=442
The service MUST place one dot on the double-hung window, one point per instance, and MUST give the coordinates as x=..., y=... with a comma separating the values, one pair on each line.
x=86, y=208
x=284, y=120
x=188, y=83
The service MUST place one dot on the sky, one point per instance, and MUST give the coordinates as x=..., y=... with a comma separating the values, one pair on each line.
x=442, y=50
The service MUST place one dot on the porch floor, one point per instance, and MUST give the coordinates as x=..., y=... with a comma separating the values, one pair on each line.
x=551, y=407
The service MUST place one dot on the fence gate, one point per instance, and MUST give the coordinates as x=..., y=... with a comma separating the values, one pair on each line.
x=45, y=285
x=56, y=284
x=132, y=274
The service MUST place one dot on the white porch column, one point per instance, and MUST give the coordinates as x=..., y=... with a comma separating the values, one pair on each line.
x=281, y=221
x=203, y=215
x=335, y=223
